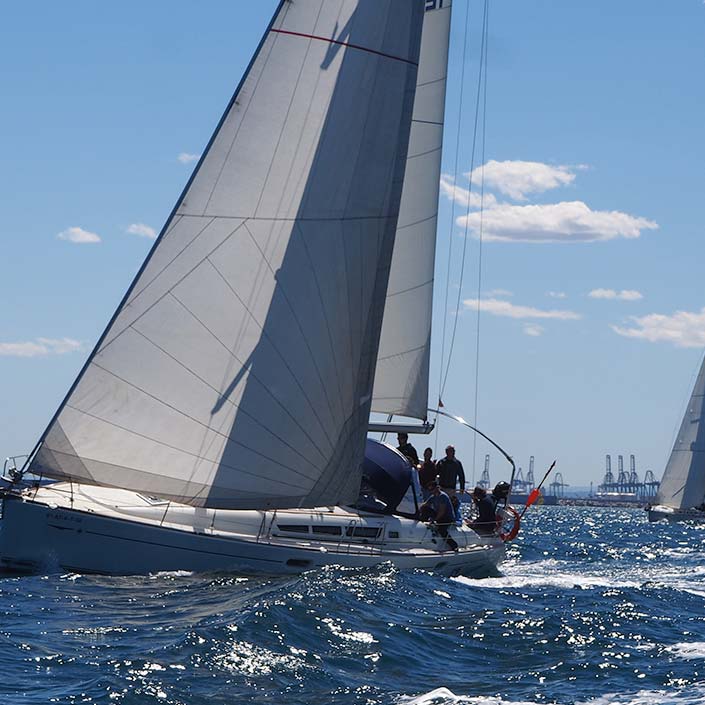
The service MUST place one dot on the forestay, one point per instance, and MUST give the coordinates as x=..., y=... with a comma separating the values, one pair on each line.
x=683, y=484
x=401, y=379
x=238, y=370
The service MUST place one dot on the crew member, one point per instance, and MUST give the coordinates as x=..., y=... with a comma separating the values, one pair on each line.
x=450, y=471
x=439, y=509
x=406, y=449
x=427, y=472
x=486, y=522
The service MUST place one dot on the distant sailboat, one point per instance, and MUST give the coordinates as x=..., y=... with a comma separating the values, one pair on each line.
x=220, y=423
x=681, y=494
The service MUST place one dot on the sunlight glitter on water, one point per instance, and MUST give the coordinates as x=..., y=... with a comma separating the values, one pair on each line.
x=595, y=607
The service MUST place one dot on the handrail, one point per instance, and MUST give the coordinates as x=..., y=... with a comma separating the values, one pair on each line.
x=463, y=422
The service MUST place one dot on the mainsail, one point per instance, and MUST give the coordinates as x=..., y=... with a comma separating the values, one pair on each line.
x=238, y=370
x=683, y=483
x=401, y=379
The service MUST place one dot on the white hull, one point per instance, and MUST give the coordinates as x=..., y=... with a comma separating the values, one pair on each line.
x=118, y=532
x=660, y=512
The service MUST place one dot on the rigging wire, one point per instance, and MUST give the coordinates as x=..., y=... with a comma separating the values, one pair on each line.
x=452, y=211
x=479, y=257
x=480, y=100
x=467, y=212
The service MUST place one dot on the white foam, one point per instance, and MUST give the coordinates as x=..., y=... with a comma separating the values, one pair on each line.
x=688, y=650
x=170, y=574
x=558, y=574
x=695, y=695
x=443, y=696
x=565, y=581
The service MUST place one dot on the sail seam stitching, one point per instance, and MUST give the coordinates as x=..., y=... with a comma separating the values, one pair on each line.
x=285, y=121
x=345, y=44
x=236, y=133
x=423, y=154
x=165, y=445
x=303, y=336
x=417, y=222
x=178, y=411
x=266, y=335
x=264, y=386
x=411, y=288
x=324, y=314
x=170, y=290
x=173, y=259
x=404, y=352
x=235, y=406
x=302, y=219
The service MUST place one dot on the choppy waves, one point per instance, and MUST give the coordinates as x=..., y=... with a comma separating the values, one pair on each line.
x=594, y=608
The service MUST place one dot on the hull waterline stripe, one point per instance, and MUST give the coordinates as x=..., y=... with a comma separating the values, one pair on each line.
x=344, y=44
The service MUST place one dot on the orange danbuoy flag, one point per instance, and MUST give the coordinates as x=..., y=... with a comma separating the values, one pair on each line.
x=535, y=494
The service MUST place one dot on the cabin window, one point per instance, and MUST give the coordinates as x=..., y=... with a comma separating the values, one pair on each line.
x=393, y=534
x=330, y=530
x=293, y=528
x=363, y=532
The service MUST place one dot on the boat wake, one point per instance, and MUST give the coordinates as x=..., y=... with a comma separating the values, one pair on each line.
x=444, y=696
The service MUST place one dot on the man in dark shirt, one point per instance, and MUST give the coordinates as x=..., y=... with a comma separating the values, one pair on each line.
x=427, y=472
x=486, y=522
x=439, y=509
x=405, y=448
x=450, y=470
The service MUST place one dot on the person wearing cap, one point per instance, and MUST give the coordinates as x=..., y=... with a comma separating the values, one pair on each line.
x=406, y=449
x=486, y=522
x=439, y=509
x=450, y=471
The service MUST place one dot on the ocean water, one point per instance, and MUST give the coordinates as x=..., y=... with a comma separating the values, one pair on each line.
x=595, y=606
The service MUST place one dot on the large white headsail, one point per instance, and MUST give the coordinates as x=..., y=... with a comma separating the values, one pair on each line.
x=238, y=371
x=401, y=379
x=683, y=483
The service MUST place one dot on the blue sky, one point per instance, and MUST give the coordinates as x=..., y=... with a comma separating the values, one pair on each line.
x=593, y=178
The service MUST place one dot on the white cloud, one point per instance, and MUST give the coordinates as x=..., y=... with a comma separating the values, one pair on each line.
x=463, y=196
x=498, y=307
x=498, y=292
x=517, y=179
x=569, y=221
x=41, y=347
x=142, y=230
x=186, y=158
x=624, y=295
x=78, y=235
x=533, y=330
x=683, y=329
x=556, y=294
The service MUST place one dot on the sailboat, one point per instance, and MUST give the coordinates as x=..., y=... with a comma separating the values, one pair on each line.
x=681, y=494
x=221, y=421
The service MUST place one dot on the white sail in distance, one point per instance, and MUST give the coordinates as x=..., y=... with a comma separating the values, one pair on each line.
x=237, y=372
x=402, y=376
x=683, y=483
